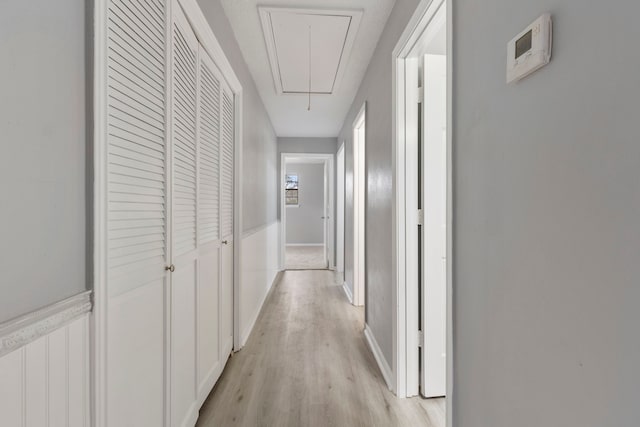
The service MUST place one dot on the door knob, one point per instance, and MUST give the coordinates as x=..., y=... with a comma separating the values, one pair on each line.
x=224, y=242
x=170, y=268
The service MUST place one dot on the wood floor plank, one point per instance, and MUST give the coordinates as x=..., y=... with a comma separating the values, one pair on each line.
x=306, y=364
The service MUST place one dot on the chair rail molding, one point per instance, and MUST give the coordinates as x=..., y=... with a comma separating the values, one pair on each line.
x=22, y=330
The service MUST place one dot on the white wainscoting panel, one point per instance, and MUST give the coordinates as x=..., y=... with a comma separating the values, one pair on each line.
x=46, y=381
x=259, y=268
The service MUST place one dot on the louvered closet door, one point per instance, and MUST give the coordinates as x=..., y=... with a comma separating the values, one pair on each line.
x=226, y=215
x=136, y=213
x=209, y=354
x=184, y=211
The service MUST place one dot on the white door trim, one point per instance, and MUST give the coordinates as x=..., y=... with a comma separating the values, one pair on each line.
x=359, y=206
x=404, y=336
x=340, y=211
x=98, y=327
x=326, y=159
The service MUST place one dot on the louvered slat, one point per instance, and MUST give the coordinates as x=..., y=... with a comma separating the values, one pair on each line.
x=209, y=152
x=136, y=171
x=184, y=141
x=227, y=164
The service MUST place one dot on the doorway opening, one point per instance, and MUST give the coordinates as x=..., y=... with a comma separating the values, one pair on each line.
x=422, y=136
x=307, y=211
x=359, y=206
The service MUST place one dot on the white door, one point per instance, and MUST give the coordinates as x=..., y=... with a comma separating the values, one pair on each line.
x=169, y=205
x=340, y=214
x=208, y=298
x=184, y=216
x=434, y=233
x=136, y=222
x=226, y=228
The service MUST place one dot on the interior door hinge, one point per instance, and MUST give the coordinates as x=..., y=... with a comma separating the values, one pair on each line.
x=420, y=339
x=420, y=95
x=420, y=217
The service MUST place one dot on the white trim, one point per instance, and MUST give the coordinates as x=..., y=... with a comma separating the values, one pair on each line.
x=98, y=354
x=411, y=223
x=450, y=209
x=347, y=292
x=168, y=283
x=359, y=207
x=339, y=215
x=307, y=158
x=244, y=336
x=267, y=33
x=402, y=337
x=238, y=221
x=305, y=244
x=22, y=330
x=377, y=354
x=249, y=328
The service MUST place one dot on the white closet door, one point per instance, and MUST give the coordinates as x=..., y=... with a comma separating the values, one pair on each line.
x=226, y=208
x=184, y=209
x=135, y=210
x=209, y=366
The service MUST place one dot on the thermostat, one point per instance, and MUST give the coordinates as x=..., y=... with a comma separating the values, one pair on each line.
x=530, y=50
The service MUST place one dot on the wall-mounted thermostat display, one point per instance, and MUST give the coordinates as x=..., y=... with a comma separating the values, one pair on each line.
x=530, y=50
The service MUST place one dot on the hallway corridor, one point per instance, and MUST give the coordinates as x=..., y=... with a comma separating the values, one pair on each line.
x=307, y=364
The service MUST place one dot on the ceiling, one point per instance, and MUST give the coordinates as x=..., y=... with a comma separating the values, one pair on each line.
x=275, y=37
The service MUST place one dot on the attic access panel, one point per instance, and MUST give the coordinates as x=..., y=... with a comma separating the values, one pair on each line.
x=286, y=33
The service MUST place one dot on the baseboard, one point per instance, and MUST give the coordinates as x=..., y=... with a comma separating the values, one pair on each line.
x=194, y=414
x=305, y=244
x=347, y=292
x=247, y=332
x=206, y=386
x=387, y=374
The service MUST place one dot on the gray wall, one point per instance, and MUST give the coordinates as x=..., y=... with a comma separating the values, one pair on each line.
x=260, y=167
x=42, y=166
x=547, y=214
x=376, y=91
x=307, y=145
x=304, y=222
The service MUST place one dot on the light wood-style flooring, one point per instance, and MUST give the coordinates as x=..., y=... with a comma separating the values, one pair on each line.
x=307, y=364
x=305, y=258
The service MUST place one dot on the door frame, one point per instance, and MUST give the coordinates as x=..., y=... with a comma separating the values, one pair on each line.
x=328, y=162
x=359, y=206
x=405, y=311
x=340, y=213
x=204, y=33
